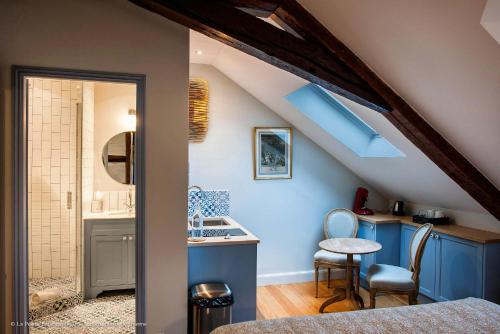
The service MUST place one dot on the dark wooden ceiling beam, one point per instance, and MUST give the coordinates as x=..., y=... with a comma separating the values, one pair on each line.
x=268, y=43
x=321, y=58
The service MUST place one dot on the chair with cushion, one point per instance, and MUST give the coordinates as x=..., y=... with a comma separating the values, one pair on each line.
x=396, y=280
x=338, y=223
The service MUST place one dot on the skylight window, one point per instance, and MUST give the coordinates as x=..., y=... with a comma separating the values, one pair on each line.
x=341, y=123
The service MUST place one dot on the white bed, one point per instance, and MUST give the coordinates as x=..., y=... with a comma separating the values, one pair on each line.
x=470, y=315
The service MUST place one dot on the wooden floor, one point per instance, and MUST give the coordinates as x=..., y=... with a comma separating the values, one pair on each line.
x=291, y=300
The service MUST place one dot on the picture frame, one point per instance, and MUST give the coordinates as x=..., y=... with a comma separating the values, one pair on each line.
x=272, y=153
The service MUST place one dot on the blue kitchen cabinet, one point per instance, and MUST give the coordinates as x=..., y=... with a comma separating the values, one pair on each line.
x=388, y=235
x=428, y=263
x=454, y=268
x=404, y=255
x=451, y=268
x=366, y=231
x=235, y=265
x=460, y=268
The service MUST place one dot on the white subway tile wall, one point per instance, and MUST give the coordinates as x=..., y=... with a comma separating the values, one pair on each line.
x=52, y=173
x=114, y=200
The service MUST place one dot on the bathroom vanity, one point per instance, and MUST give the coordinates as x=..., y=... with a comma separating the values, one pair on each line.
x=230, y=260
x=109, y=259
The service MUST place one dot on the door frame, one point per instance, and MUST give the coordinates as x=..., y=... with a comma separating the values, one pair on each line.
x=20, y=194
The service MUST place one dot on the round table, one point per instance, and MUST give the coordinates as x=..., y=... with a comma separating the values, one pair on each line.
x=348, y=246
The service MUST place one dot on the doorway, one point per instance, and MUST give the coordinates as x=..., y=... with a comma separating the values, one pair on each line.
x=68, y=271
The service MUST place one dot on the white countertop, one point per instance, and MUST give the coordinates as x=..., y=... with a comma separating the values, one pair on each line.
x=221, y=241
x=249, y=238
x=108, y=215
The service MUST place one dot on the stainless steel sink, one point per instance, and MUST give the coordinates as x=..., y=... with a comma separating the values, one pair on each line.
x=215, y=222
x=221, y=232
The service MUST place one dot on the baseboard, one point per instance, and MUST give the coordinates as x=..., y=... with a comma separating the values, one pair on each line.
x=295, y=277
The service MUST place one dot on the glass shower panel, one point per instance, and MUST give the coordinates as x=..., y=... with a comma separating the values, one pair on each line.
x=54, y=188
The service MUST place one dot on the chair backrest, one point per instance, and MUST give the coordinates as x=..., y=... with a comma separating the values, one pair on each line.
x=417, y=245
x=340, y=223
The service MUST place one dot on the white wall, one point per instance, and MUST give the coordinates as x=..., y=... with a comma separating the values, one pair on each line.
x=112, y=102
x=285, y=214
x=115, y=36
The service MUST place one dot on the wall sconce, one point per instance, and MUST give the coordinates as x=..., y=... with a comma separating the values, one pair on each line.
x=131, y=120
x=198, y=109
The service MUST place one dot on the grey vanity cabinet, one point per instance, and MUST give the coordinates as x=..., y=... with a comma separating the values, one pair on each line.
x=109, y=255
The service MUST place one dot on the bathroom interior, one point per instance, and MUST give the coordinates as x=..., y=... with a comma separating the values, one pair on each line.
x=81, y=198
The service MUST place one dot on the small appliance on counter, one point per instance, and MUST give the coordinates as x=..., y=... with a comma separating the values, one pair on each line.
x=398, y=208
x=435, y=217
x=360, y=201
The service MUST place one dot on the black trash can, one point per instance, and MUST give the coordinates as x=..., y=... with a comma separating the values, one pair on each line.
x=211, y=307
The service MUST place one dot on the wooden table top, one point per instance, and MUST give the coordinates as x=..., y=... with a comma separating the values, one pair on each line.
x=350, y=246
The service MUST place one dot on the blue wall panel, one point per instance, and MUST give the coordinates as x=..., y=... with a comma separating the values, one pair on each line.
x=235, y=265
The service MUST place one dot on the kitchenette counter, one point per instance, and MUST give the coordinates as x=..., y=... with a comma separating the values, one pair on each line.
x=232, y=261
x=463, y=232
x=248, y=238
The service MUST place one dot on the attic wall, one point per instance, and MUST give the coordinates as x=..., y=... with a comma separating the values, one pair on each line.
x=438, y=57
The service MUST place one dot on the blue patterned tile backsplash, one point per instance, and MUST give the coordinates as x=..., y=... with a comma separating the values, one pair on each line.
x=214, y=203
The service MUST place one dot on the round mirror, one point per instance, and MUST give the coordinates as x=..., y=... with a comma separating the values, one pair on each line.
x=118, y=156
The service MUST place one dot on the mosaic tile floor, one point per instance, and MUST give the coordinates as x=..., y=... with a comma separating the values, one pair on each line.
x=67, y=291
x=65, y=283
x=106, y=315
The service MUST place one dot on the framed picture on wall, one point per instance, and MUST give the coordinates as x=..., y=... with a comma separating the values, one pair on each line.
x=272, y=154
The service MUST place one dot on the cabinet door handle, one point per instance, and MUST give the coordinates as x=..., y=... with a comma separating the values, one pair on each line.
x=436, y=236
x=124, y=237
x=432, y=235
x=130, y=238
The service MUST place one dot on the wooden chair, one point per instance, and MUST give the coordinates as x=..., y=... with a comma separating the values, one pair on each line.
x=396, y=280
x=338, y=223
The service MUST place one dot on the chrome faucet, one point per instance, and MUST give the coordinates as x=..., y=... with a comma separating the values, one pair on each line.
x=199, y=189
x=194, y=186
x=129, y=203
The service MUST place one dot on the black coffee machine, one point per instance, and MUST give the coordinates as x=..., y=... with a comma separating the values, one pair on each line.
x=399, y=208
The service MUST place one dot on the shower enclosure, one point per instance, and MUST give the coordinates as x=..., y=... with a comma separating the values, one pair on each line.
x=59, y=168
